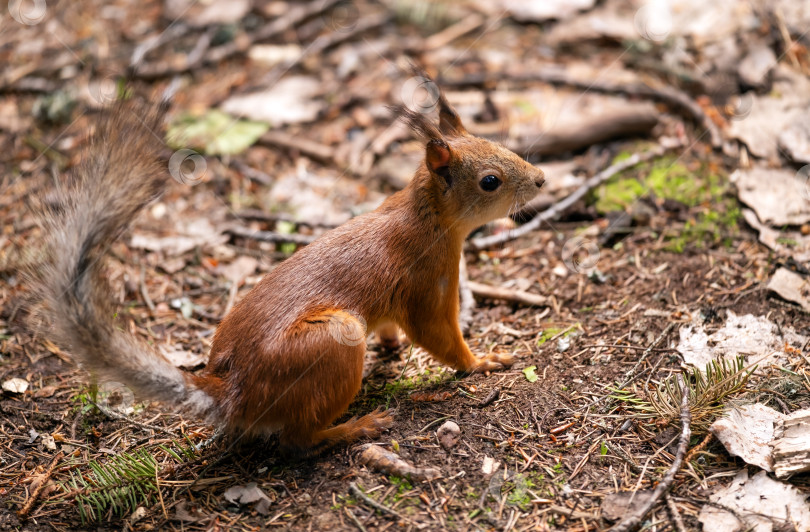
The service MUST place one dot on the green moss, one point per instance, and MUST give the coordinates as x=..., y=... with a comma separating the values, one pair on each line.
x=406, y=504
x=666, y=179
x=787, y=241
x=403, y=485
x=343, y=500
x=714, y=210
x=707, y=228
x=621, y=156
x=551, y=332
x=399, y=388
x=214, y=133
x=520, y=488
x=618, y=195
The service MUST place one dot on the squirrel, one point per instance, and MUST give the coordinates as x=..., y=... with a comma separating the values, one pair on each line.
x=288, y=358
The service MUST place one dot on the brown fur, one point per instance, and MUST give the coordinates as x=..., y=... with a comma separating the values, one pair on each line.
x=288, y=358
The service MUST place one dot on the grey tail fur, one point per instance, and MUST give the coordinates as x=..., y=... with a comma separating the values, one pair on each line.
x=121, y=174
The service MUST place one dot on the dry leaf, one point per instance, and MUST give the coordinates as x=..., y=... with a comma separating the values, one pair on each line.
x=290, y=101
x=762, y=502
x=249, y=494
x=747, y=431
x=15, y=385
x=791, y=286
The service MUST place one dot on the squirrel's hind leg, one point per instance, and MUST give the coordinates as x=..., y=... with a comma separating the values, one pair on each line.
x=335, y=341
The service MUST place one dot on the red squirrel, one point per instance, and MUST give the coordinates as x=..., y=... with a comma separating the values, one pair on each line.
x=288, y=358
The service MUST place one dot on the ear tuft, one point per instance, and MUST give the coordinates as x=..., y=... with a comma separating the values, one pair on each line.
x=418, y=122
x=449, y=121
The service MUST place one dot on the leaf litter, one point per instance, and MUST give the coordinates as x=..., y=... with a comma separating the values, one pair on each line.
x=541, y=443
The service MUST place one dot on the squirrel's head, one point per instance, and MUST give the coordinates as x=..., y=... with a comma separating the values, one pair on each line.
x=477, y=180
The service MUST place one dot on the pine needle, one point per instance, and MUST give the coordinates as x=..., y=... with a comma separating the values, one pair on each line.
x=708, y=390
x=117, y=487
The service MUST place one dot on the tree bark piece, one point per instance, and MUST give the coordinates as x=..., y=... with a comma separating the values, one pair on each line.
x=791, y=444
x=556, y=75
x=378, y=458
x=636, y=119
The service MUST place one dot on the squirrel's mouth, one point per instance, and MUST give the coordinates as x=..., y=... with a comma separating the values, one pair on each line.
x=520, y=201
x=528, y=195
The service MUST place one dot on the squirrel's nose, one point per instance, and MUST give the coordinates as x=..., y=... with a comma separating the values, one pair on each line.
x=539, y=179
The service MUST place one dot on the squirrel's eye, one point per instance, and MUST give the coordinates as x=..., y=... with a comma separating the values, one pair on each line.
x=490, y=183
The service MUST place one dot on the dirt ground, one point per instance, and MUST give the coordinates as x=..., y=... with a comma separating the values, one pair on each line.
x=540, y=455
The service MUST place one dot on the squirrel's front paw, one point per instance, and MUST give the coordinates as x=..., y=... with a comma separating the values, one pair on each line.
x=492, y=362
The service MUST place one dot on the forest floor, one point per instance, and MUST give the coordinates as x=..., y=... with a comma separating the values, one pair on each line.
x=659, y=249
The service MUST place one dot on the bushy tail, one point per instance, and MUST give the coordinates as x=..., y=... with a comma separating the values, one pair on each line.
x=121, y=174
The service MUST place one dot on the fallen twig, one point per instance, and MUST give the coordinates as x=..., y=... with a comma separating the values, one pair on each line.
x=467, y=305
x=174, y=31
x=309, y=148
x=570, y=513
x=700, y=447
x=29, y=504
x=557, y=75
x=631, y=374
x=493, y=395
x=202, y=54
x=560, y=207
x=121, y=417
x=636, y=119
x=633, y=521
x=369, y=22
x=453, y=32
x=269, y=236
x=676, y=515
x=516, y=296
x=374, y=504
x=355, y=520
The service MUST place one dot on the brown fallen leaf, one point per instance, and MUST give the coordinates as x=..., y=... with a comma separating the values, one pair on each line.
x=45, y=391
x=430, y=397
x=617, y=505
x=238, y=270
x=249, y=494
x=791, y=286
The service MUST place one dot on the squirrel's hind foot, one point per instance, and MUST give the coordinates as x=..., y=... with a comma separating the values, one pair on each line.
x=492, y=362
x=371, y=425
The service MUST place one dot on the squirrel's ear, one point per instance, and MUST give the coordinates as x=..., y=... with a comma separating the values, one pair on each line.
x=449, y=121
x=437, y=158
